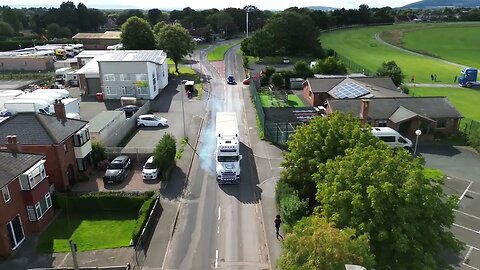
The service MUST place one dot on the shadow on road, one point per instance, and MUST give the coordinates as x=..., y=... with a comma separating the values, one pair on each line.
x=163, y=101
x=172, y=188
x=443, y=150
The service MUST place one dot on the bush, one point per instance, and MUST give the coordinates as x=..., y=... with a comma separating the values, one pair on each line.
x=98, y=153
x=164, y=153
x=142, y=219
x=474, y=140
x=111, y=201
x=405, y=89
x=293, y=208
x=282, y=190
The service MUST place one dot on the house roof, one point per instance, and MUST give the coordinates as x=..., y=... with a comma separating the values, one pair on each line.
x=14, y=164
x=106, y=35
x=289, y=115
x=390, y=107
x=39, y=129
x=377, y=86
x=155, y=56
x=91, y=53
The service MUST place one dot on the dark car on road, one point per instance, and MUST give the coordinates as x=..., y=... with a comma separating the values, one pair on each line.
x=231, y=80
x=129, y=110
x=118, y=170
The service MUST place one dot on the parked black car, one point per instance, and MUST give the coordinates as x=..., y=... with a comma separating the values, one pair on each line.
x=118, y=170
x=129, y=110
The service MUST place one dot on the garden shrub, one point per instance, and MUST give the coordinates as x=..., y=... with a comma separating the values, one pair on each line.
x=143, y=215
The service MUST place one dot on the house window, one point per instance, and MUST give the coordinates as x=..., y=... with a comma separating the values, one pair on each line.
x=139, y=90
x=141, y=77
x=109, y=90
x=65, y=149
x=382, y=123
x=32, y=177
x=81, y=137
x=124, y=90
x=6, y=194
x=109, y=77
x=31, y=213
x=84, y=163
x=43, y=206
x=124, y=77
x=441, y=123
x=15, y=232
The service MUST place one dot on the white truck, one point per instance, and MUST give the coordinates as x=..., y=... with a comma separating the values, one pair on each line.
x=6, y=95
x=227, y=153
x=27, y=105
x=62, y=92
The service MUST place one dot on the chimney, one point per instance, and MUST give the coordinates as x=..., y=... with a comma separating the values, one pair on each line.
x=59, y=108
x=12, y=144
x=364, y=109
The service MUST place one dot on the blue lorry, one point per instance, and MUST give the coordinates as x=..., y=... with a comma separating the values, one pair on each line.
x=468, y=78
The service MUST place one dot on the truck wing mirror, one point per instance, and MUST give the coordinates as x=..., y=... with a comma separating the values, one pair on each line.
x=240, y=157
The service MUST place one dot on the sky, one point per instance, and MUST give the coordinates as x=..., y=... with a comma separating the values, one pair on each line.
x=219, y=4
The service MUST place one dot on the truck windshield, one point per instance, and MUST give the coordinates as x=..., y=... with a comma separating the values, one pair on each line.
x=227, y=158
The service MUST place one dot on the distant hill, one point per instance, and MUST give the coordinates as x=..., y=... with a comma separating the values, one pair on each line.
x=431, y=4
x=321, y=8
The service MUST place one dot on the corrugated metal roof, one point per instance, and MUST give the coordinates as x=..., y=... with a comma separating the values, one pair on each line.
x=155, y=56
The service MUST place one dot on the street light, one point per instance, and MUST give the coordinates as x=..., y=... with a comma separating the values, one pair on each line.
x=248, y=9
x=418, y=132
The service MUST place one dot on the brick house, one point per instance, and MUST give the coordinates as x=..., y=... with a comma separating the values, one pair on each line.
x=26, y=204
x=317, y=90
x=432, y=115
x=64, y=141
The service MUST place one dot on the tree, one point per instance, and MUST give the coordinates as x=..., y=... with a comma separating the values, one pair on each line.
x=302, y=69
x=164, y=153
x=323, y=138
x=157, y=27
x=390, y=69
x=277, y=81
x=124, y=16
x=316, y=244
x=6, y=30
x=98, y=153
x=383, y=193
x=176, y=41
x=154, y=16
x=262, y=44
x=330, y=66
x=137, y=35
x=245, y=46
x=53, y=30
x=221, y=22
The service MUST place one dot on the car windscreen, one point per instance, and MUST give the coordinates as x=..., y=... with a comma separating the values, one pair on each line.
x=150, y=166
x=115, y=166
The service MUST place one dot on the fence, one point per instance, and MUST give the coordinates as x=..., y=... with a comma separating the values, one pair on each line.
x=258, y=106
x=352, y=65
x=143, y=242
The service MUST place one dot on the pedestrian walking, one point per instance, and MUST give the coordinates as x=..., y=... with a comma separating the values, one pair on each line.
x=413, y=79
x=435, y=77
x=278, y=221
x=431, y=76
x=455, y=79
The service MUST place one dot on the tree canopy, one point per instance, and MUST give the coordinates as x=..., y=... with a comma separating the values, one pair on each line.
x=176, y=41
x=329, y=66
x=164, y=153
x=390, y=69
x=323, y=138
x=137, y=34
x=6, y=30
x=316, y=244
x=383, y=193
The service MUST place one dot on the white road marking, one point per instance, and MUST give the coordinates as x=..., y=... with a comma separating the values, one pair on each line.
x=218, y=229
x=474, y=192
x=219, y=213
x=463, y=194
x=465, y=228
x=466, y=214
x=216, y=258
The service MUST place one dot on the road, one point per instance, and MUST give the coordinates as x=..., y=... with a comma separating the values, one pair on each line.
x=219, y=227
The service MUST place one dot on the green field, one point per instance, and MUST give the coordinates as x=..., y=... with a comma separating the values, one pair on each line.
x=91, y=231
x=218, y=53
x=268, y=101
x=360, y=46
x=464, y=99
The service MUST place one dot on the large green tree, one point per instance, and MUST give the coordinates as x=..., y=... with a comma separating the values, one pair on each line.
x=383, y=193
x=330, y=66
x=302, y=69
x=6, y=30
x=316, y=244
x=164, y=153
x=392, y=70
x=323, y=138
x=221, y=22
x=176, y=41
x=137, y=34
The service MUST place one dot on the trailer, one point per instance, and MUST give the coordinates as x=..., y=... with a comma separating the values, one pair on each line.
x=27, y=105
x=227, y=153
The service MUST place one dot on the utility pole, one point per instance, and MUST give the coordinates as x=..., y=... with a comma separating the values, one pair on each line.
x=248, y=9
x=73, y=247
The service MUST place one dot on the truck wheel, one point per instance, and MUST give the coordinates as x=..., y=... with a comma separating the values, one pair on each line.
x=469, y=85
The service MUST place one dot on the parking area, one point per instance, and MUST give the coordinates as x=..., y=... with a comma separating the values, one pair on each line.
x=15, y=84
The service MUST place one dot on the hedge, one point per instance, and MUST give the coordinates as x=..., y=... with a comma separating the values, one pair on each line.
x=143, y=215
x=110, y=201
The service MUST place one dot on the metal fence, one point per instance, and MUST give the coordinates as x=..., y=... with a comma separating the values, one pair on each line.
x=141, y=247
x=352, y=65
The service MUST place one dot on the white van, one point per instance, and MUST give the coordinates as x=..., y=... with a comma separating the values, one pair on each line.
x=391, y=137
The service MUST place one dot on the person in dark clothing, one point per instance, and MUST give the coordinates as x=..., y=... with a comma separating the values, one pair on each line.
x=455, y=79
x=435, y=77
x=278, y=221
x=431, y=76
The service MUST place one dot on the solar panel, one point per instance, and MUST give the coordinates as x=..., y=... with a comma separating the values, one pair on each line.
x=350, y=90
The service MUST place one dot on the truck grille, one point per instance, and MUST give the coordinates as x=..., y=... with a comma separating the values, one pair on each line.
x=228, y=178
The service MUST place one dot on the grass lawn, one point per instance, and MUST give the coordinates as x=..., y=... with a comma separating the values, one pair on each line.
x=433, y=174
x=268, y=101
x=182, y=70
x=465, y=100
x=91, y=231
x=218, y=53
x=360, y=46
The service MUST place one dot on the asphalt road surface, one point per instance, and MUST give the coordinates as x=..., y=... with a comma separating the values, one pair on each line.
x=219, y=227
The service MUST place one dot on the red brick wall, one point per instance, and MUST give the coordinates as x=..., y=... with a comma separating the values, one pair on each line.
x=57, y=162
x=306, y=93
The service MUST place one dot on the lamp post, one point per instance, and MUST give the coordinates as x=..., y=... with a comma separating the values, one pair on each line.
x=182, y=91
x=418, y=132
x=248, y=9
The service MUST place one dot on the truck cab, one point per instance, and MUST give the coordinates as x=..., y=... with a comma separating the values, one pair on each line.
x=60, y=54
x=227, y=153
x=468, y=78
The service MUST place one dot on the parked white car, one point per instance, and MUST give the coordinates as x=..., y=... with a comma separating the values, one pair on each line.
x=150, y=170
x=151, y=120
